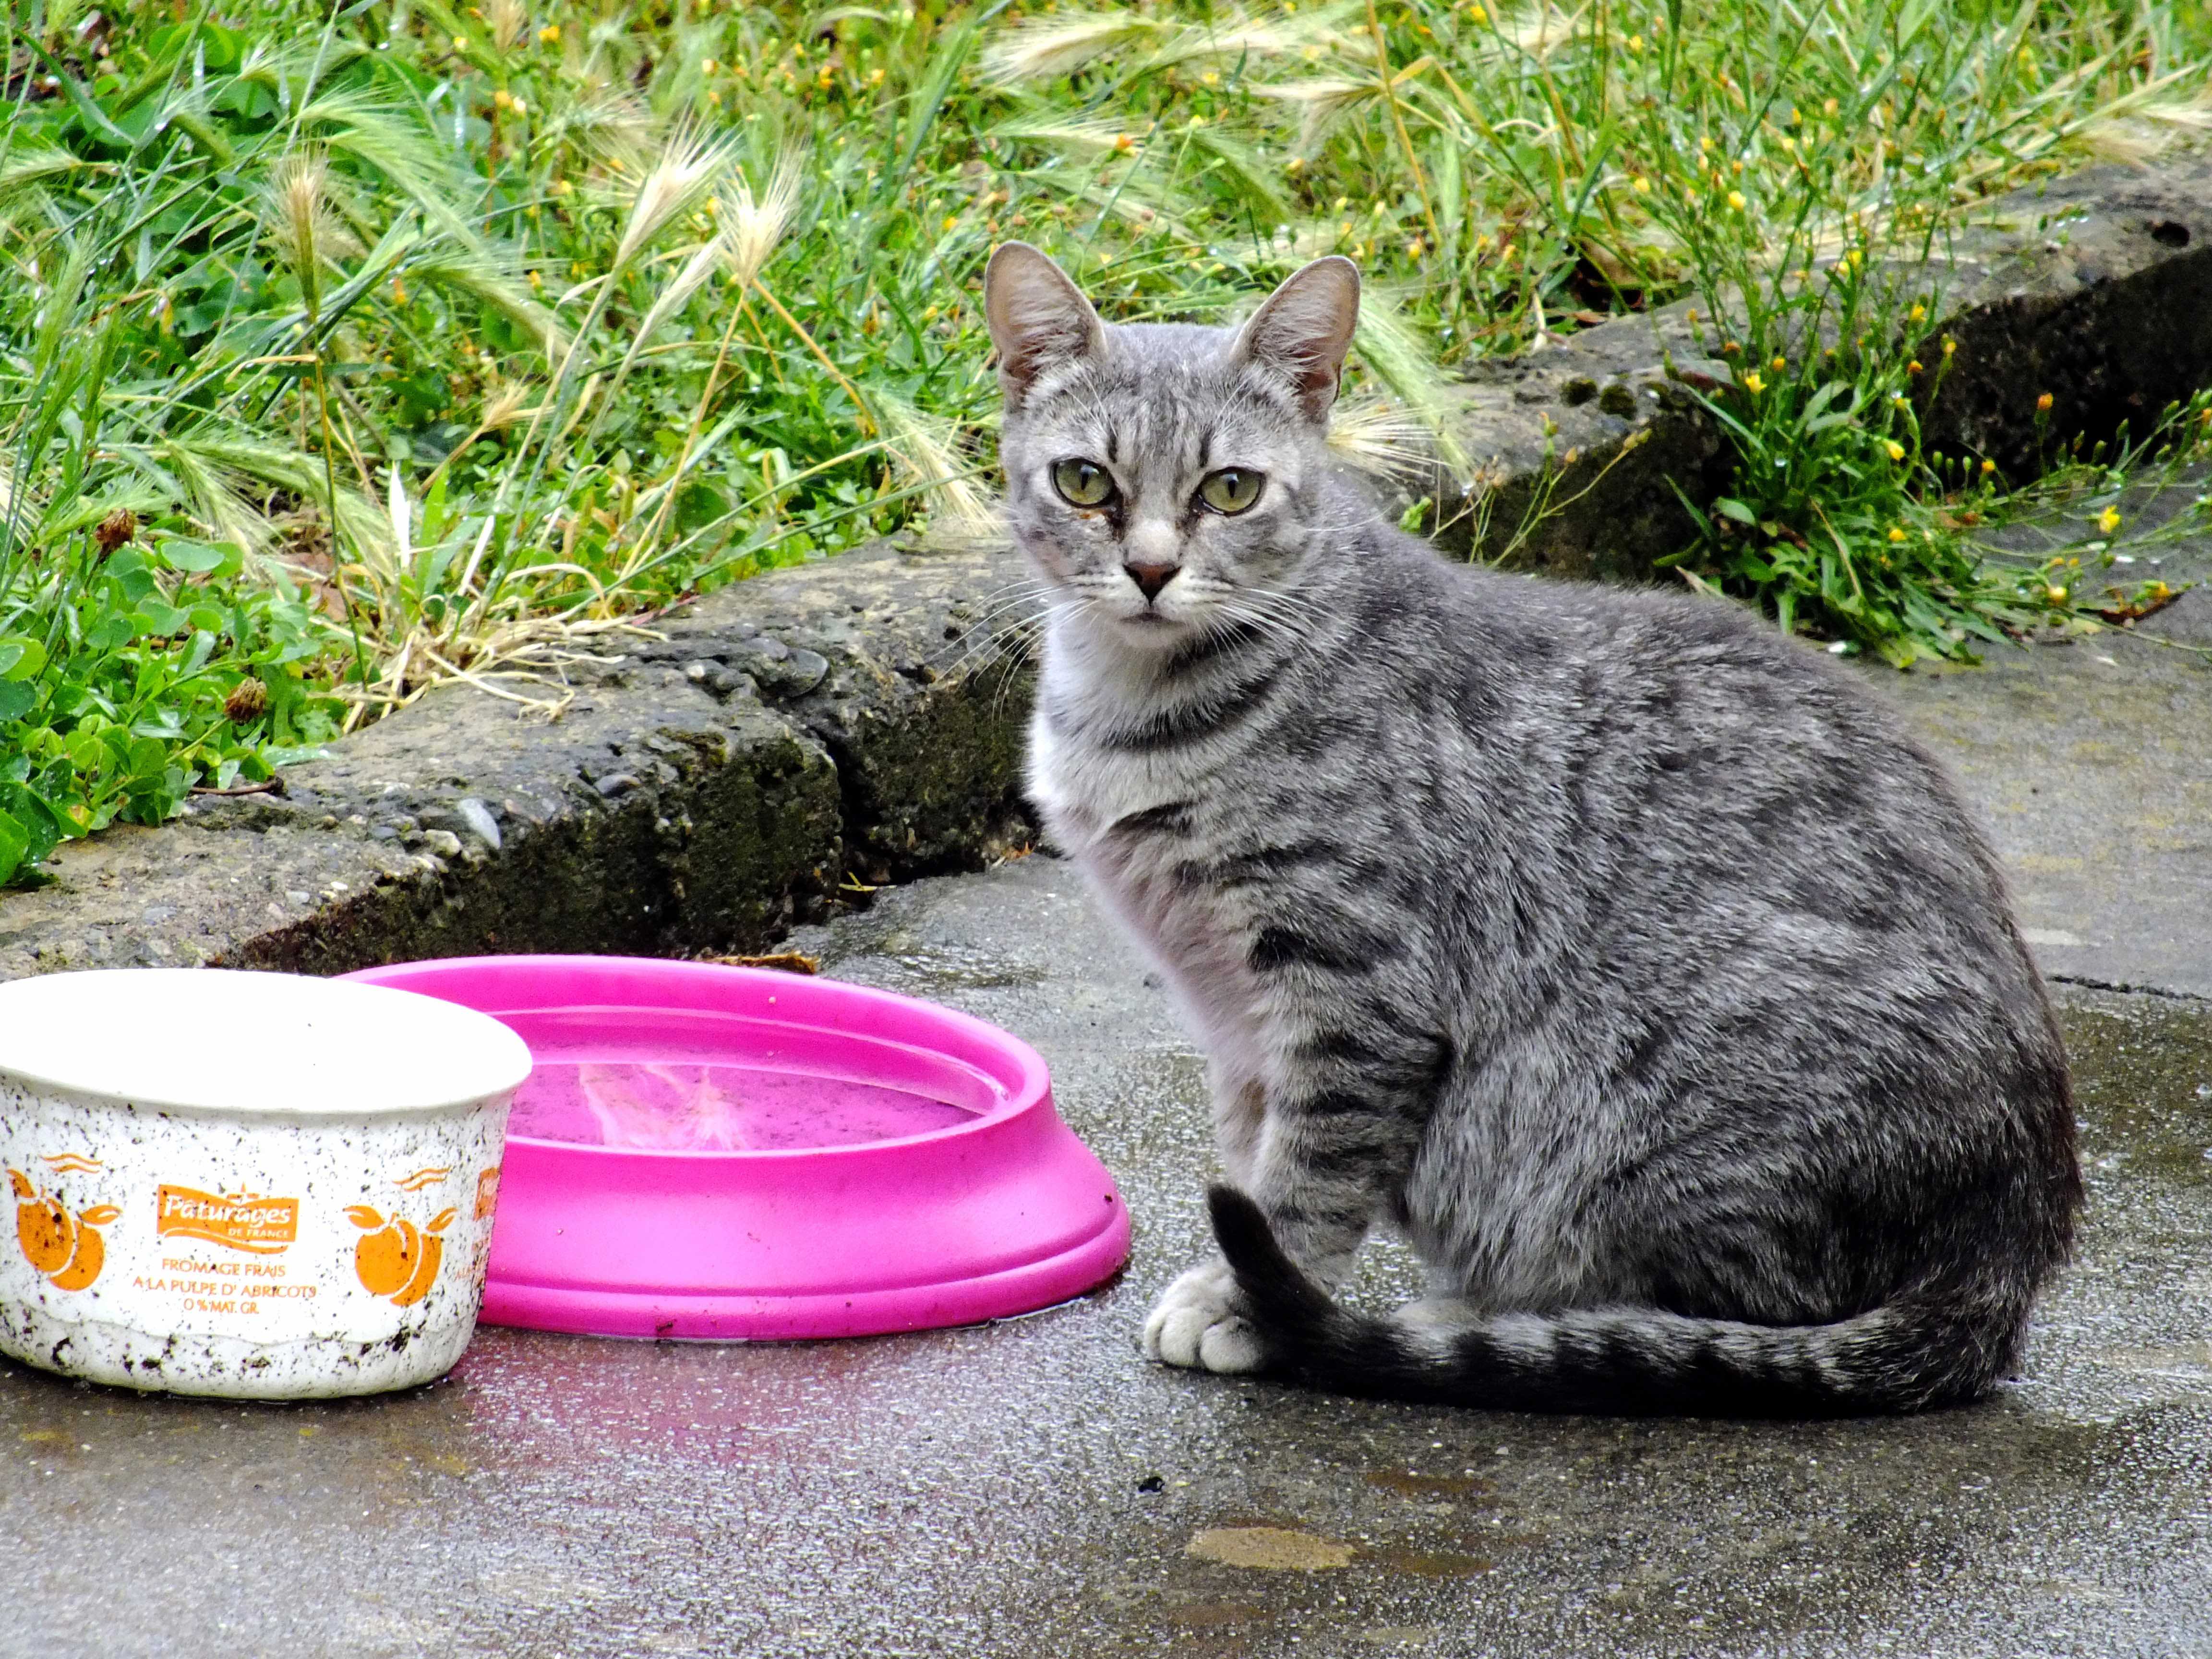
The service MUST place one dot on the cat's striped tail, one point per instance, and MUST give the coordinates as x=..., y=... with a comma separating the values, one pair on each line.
x=1914, y=1353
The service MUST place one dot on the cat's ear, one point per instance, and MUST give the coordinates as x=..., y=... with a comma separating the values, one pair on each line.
x=1038, y=318
x=1303, y=330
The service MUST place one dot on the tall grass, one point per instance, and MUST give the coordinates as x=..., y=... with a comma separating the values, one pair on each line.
x=420, y=341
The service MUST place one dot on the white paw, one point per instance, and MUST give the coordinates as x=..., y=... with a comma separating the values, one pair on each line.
x=1196, y=1324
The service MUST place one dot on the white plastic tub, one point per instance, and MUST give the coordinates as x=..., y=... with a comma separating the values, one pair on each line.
x=246, y=1184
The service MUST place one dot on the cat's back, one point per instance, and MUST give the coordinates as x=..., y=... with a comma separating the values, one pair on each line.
x=1634, y=746
x=1683, y=685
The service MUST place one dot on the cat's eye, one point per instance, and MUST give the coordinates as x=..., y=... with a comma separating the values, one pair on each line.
x=1081, y=482
x=1231, y=490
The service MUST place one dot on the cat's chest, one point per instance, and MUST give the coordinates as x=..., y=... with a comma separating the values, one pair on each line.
x=1086, y=789
x=1140, y=827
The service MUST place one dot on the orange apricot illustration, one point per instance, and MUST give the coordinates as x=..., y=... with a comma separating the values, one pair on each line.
x=397, y=1259
x=64, y=1246
x=91, y=1253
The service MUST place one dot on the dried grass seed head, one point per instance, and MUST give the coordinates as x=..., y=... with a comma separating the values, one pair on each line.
x=752, y=226
x=297, y=217
x=687, y=170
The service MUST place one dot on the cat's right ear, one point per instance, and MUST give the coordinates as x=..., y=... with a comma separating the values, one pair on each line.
x=1038, y=318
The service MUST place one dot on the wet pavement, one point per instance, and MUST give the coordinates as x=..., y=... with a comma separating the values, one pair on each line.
x=2090, y=762
x=1034, y=1489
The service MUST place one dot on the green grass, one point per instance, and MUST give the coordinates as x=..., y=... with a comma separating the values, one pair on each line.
x=419, y=342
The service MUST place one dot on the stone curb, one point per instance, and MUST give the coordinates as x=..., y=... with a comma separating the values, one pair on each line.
x=858, y=721
x=2096, y=289
x=700, y=794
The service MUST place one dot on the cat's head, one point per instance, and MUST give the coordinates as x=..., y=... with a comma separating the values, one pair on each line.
x=1168, y=477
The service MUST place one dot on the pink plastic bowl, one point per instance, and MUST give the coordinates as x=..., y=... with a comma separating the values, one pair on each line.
x=721, y=1153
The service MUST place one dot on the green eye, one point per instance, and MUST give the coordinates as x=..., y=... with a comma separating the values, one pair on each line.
x=1231, y=490
x=1082, y=483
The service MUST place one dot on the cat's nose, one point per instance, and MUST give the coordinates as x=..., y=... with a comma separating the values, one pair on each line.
x=1151, y=578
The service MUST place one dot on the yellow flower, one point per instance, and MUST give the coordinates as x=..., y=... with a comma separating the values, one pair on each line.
x=499, y=100
x=1735, y=200
x=951, y=221
x=1779, y=364
x=2043, y=404
x=2056, y=594
x=1476, y=14
x=1896, y=449
x=1414, y=250
x=1987, y=467
x=1913, y=368
x=1643, y=188
x=1297, y=164
x=517, y=106
x=875, y=76
x=1896, y=534
x=460, y=43
x=2109, y=521
x=1636, y=43
x=550, y=35
x=1917, y=312
x=1123, y=143
x=1752, y=384
x=1950, y=346
x=714, y=98
x=1828, y=108
x=1210, y=78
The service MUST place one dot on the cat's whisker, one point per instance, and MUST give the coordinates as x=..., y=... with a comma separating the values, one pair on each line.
x=1008, y=613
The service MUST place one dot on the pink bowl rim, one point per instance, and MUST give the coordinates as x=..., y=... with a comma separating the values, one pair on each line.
x=1030, y=1087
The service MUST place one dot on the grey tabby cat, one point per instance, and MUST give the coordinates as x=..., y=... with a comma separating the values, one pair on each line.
x=1618, y=952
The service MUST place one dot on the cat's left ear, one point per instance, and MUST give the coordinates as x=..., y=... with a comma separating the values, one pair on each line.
x=1303, y=330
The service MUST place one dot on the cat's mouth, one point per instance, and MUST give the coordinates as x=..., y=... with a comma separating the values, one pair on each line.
x=1151, y=625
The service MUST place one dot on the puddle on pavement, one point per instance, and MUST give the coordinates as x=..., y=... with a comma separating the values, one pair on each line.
x=2142, y=1080
x=1268, y=1549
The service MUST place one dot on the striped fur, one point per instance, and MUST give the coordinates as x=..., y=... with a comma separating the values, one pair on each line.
x=1623, y=955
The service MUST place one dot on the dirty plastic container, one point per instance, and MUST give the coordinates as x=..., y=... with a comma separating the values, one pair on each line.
x=256, y=1185
x=718, y=1153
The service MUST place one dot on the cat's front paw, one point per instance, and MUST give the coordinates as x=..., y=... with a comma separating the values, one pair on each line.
x=1196, y=1324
